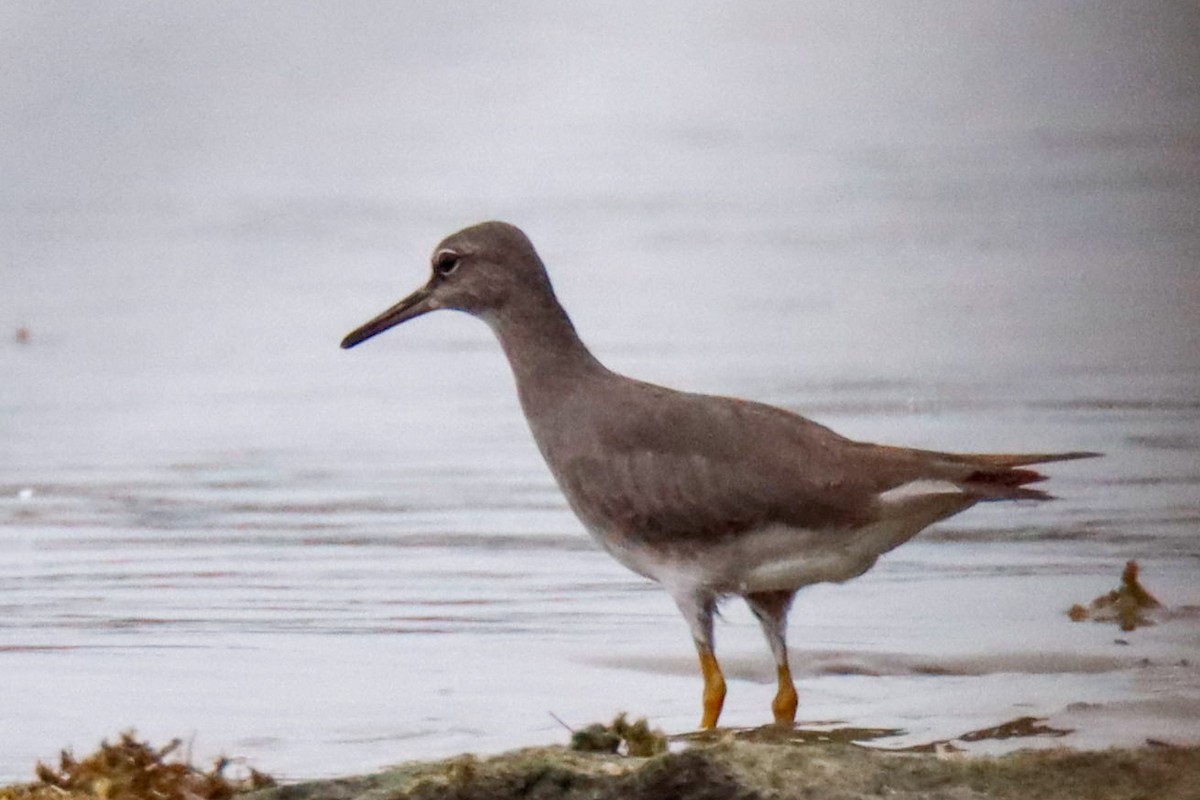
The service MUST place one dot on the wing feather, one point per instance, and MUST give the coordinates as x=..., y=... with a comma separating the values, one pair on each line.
x=665, y=466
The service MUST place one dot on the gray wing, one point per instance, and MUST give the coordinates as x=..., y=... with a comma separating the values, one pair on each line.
x=661, y=465
x=686, y=467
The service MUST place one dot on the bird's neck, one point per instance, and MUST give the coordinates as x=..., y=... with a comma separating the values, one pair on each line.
x=548, y=359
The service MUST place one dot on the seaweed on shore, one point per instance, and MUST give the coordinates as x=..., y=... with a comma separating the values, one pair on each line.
x=630, y=738
x=133, y=770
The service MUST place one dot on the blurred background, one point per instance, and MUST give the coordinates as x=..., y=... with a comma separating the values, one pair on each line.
x=957, y=225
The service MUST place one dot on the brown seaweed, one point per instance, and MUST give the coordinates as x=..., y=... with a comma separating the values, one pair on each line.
x=1126, y=605
x=133, y=770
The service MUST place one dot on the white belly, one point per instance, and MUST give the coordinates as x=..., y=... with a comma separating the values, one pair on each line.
x=778, y=557
x=772, y=558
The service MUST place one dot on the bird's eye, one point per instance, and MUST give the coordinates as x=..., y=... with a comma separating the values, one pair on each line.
x=446, y=262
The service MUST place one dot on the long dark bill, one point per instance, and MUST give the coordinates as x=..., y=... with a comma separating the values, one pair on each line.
x=412, y=306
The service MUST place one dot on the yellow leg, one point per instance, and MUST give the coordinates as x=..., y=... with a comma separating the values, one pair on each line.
x=785, y=701
x=714, y=688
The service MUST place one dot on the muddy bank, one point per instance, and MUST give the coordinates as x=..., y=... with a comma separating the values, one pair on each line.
x=730, y=764
x=746, y=770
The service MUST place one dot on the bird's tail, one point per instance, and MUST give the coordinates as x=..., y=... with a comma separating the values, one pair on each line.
x=995, y=476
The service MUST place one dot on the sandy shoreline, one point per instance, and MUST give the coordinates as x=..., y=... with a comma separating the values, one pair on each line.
x=734, y=769
x=726, y=765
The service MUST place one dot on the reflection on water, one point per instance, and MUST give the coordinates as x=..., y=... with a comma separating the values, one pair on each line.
x=214, y=522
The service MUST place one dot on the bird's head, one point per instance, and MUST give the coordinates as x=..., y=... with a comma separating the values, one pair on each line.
x=479, y=270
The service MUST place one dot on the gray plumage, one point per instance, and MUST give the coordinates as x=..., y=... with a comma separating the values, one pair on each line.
x=708, y=495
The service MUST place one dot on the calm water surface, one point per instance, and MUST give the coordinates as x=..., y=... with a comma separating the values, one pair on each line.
x=967, y=227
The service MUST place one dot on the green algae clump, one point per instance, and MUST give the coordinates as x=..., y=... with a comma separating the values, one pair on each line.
x=636, y=738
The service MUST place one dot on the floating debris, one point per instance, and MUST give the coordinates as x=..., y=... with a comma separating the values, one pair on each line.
x=816, y=734
x=1016, y=728
x=133, y=770
x=1019, y=728
x=1126, y=605
x=22, y=335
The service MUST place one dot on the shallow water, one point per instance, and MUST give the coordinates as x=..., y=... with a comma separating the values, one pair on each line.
x=970, y=227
